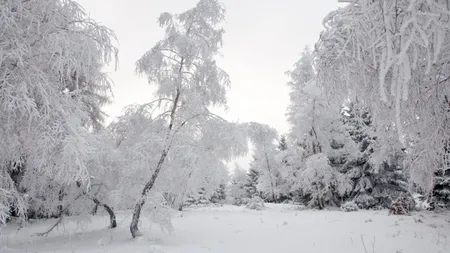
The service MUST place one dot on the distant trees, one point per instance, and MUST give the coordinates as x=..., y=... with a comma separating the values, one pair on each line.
x=237, y=193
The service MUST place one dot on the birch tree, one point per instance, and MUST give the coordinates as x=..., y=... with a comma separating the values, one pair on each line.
x=188, y=82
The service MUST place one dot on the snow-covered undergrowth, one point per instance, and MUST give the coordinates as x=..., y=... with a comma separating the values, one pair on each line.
x=278, y=228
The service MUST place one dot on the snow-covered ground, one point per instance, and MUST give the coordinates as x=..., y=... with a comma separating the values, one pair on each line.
x=229, y=229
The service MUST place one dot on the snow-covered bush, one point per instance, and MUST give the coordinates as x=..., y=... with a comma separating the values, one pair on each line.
x=198, y=198
x=322, y=183
x=349, y=206
x=421, y=203
x=159, y=212
x=256, y=203
x=402, y=205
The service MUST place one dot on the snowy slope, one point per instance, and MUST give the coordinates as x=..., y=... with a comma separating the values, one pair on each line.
x=279, y=228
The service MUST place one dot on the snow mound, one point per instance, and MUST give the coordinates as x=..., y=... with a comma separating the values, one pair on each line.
x=349, y=206
x=255, y=203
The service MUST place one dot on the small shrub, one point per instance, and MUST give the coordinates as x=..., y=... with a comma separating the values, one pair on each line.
x=349, y=206
x=421, y=203
x=240, y=201
x=255, y=203
x=402, y=205
x=300, y=207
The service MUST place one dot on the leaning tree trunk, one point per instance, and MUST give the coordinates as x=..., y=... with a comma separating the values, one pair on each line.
x=112, y=215
x=148, y=186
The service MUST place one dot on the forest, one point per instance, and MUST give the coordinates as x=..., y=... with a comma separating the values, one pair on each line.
x=369, y=117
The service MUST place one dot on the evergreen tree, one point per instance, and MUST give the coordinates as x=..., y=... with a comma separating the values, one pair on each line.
x=219, y=195
x=266, y=162
x=284, y=182
x=282, y=145
x=197, y=198
x=441, y=189
x=378, y=175
x=322, y=184
x=237, y=192
x=318, y=131
x=390, y=74
x=252, y=181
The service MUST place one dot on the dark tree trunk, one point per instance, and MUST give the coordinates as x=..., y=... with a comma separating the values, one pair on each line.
x=112, y=215
x=94, y=212
x=148, y=186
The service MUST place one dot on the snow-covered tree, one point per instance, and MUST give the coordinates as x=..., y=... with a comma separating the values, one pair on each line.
x=314, y=118
x=321, y=183
x=51, y=91
x=284, y=158
x=188, y=82
x=359, y=125
x=220, y=194
x=302, y=74
x=263, y=138
x=237, y=193
x=394, y=56
x=378, y=173
x=282, y=144
x=316, y=129
x=441, y=187
x=251, y=186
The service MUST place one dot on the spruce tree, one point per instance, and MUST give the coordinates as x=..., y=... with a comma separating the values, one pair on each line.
x=282, y=145
x=441, y=189
x=219, y=195
x=378, y=175
x=252, y=182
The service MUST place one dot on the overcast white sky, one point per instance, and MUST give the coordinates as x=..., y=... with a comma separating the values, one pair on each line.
x=263, y=39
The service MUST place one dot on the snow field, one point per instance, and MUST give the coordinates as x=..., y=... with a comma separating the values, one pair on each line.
x=278, y=228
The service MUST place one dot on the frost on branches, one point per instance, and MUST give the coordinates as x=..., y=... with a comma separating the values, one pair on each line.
x=51, y=90
x=316, y=131
x=399, y=50
x=237, y=194
x=377, y=172
x=188, y=82
x=266, y=168
x=322, y=183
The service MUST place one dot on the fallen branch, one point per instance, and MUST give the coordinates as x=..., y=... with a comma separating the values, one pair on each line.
x=51, y=228
x=59, y=219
